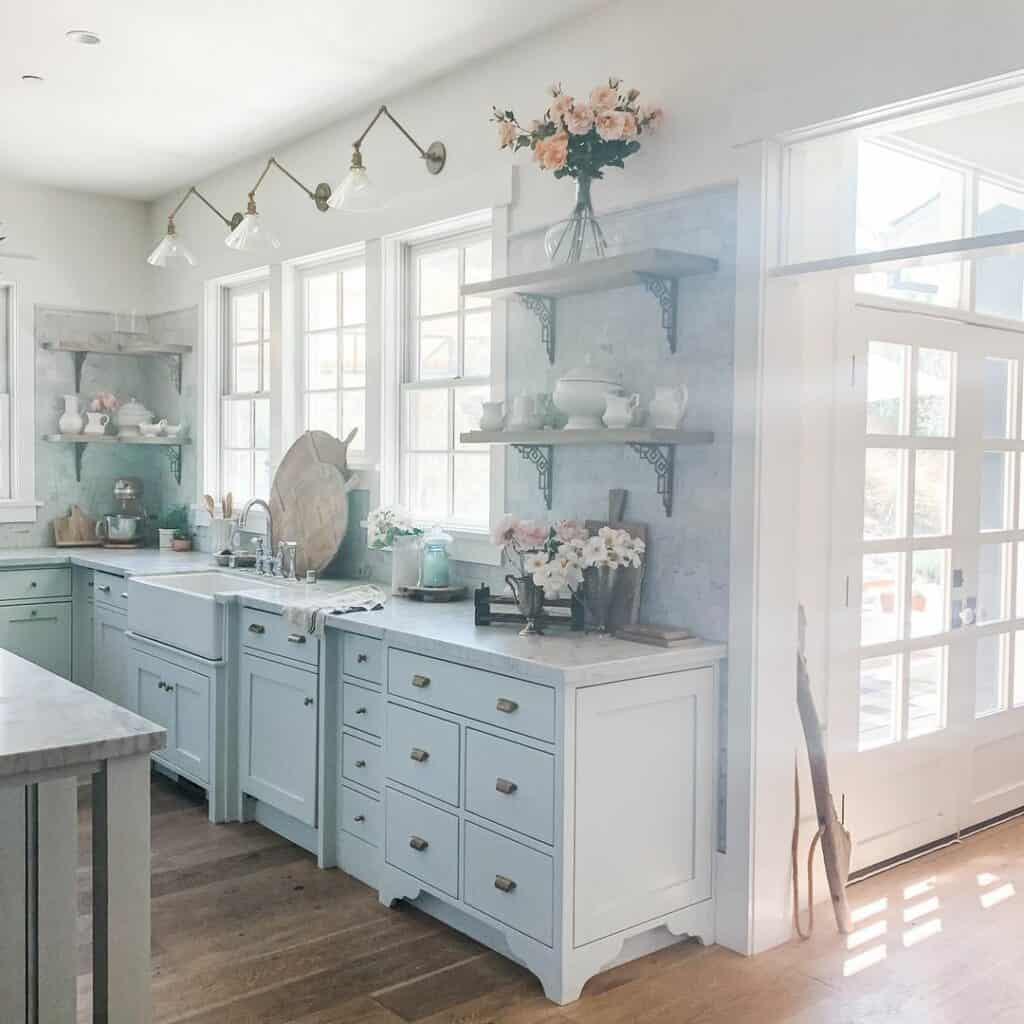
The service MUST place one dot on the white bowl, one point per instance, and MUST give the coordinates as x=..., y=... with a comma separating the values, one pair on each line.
x=583, y=401
x=150, y=429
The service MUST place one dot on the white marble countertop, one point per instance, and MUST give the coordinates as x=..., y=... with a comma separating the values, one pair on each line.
x=444, y=630
x=48, y=724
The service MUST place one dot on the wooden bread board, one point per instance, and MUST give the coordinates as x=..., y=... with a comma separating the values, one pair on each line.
x=75, y=530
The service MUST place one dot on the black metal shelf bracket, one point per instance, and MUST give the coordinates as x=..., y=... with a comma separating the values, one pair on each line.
x=174, y=457
x=174, y=361
x=663, y=458
x=78, y=358
x=541, y=456
x=79, y=447
x=544, y=309
x=666, y=291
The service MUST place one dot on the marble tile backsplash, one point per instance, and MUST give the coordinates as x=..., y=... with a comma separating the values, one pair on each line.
x=148, y=378
x=688, y=564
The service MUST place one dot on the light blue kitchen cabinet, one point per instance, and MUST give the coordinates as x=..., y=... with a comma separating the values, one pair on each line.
x=278, y=735
x=111, y=668
x=82, y=626
x=40, y=633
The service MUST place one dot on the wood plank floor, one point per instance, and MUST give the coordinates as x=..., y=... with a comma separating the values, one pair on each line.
x=247, y=930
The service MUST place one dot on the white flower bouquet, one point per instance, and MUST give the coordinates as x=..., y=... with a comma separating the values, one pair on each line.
x=386, y=523
x=550, y=555
x=612, y=548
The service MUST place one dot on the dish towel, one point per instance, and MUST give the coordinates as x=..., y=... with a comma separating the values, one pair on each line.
x=309, y=614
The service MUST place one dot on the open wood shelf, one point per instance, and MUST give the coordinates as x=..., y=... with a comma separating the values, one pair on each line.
x=658, y=270
x=172, y=445
x=657, y=447
x=80, y=349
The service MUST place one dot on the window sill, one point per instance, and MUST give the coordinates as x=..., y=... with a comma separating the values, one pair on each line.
x=473, y=546
x=16, y=510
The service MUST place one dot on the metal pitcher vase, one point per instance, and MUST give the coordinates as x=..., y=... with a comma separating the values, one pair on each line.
x=530, y=602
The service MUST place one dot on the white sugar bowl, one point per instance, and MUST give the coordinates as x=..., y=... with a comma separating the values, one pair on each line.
x=130, y=415
x=582, y=395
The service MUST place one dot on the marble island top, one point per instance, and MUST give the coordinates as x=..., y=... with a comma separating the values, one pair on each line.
x=442, y=630
x=48, y=724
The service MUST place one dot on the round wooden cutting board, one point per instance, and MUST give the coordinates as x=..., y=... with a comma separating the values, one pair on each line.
x=309, y=498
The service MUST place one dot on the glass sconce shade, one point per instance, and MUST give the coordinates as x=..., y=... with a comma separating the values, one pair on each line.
x=356, y=193
x=171, y=252
x=252, y=235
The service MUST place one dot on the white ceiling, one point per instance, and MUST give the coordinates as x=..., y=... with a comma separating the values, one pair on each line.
x=181, y=88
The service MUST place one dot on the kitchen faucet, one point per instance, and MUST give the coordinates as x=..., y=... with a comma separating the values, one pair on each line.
x=264, y=559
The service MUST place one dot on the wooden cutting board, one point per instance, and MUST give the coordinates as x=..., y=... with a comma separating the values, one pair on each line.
x=75, y=530
x=626, y=607
x=309, y=498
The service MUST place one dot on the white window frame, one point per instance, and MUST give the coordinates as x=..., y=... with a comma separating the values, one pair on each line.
x=366, y=255
x=213, y=363
x=471, y=545
x=18, y=502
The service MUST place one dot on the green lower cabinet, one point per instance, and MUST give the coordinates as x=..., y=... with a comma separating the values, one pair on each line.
x=40, y=633
x=111, y=677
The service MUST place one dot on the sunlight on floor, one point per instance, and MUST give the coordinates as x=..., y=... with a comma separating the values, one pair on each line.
x=856, y=964
x=870, y=909
x=921, y=909
x=911, y=892
x=862, y=936
x=912, y=936
x=993, y=896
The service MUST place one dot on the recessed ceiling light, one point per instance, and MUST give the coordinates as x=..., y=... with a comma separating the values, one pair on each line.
x=32, y=78
x=79, y=35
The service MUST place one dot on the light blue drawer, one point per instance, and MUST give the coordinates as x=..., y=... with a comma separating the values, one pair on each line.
x=40, y=633
x=510, y=882
x=361, y=762
x=361, y=816
x=504, y=701
x=363, y=709
x=422, y=752
x=268, y=633
x=510, y=784
x=422, y=840
x=34, y=584
x=110, y=589
x=363, y=657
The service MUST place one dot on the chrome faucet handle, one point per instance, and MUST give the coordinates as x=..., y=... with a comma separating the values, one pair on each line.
x=261, y=556
x=293, y=550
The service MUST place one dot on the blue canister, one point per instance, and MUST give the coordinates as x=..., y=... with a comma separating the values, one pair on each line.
x=434, y=568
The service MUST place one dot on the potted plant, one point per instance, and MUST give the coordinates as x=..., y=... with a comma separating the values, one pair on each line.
x=390, y=528
x=174, y=522
x=182, y=540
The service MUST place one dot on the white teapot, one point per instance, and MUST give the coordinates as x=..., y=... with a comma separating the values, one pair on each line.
x=667, y=410
x=620, y=410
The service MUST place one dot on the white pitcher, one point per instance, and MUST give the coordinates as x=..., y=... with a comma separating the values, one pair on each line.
x=493, y=416
x=71, y=421
x=524, y=413
x=619, y=411
x=667, y=410
x=96, y=422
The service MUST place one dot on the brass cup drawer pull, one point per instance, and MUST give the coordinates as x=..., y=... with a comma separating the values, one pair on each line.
x=418, y=844
x=506, y=705
x=503, y=884
x=360, y=763
x=124, y=594
x=361, y=659
x=505, y=786
x=421, y=682
x=104, y=589
x=296, y=638
x=419, y=755
x=255, y=627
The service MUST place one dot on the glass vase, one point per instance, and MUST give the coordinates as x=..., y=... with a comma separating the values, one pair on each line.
x=580, y=237
x=600, y=586
x=405, y=563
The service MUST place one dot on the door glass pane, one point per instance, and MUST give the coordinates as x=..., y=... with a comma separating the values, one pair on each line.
x=932, y=492
x=888, y=379
x=322, y=301
x=885, y=488
x=927, y=691
x=881, y=618
x=999, y=377
x=999, y=278
x=933, y=406
x=993, y=582
x=996, y=490
x=879, y=692
x=990, y=673
x=929, y=593
x=438, y=348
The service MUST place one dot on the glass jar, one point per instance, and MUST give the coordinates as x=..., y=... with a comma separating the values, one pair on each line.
x=435, y=570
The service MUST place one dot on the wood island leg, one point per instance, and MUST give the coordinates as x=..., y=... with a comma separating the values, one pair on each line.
x=122, y=972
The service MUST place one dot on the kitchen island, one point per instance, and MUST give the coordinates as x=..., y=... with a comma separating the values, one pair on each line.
x=52, y=733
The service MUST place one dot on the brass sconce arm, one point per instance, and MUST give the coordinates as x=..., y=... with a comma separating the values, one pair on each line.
x=319, y=195
x=434, y=155
x=232, y=222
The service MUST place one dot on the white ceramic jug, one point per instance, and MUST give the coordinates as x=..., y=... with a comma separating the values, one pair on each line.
x=493, y=417
x=524, y=413
x=96, y=422
x=667, y=410
x=619, y=410
x=71, y=421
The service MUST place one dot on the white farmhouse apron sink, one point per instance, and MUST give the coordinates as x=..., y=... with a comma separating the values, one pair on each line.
x=182, y=610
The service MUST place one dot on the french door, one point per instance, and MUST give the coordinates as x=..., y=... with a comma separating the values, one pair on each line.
x=926, y=695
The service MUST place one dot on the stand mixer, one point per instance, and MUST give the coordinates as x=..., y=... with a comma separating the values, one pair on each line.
x=124, y=529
